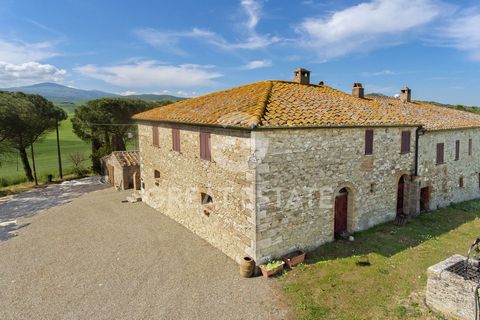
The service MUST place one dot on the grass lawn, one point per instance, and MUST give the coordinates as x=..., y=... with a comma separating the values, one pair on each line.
x=46, y=156
x=332, y=285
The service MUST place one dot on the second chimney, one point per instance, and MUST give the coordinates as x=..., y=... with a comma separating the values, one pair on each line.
x=301, y=76
x=358, y=90
x=406, y=94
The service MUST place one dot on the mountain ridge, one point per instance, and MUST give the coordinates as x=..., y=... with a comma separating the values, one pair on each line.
x=60, y=93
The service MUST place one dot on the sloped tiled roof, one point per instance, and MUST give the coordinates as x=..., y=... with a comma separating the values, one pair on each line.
x=127, y=158
x=433, y=117
x=284, y=104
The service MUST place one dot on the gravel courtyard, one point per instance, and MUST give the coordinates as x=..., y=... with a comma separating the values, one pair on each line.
x=98, y=258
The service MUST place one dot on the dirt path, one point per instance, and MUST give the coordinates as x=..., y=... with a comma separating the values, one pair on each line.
x=99, y=258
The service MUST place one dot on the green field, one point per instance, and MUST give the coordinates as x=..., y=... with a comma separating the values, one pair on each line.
x=382, y=274
x=46, y=156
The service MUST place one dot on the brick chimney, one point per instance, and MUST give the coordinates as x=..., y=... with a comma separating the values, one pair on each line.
x=301, y=75
x=406, y=94
x=358, y=90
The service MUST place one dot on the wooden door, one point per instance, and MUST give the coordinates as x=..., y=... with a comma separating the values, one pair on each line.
x=400, y=196
x=341, y=211
x=425, y=199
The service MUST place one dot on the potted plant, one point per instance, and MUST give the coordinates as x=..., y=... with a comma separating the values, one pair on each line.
x=272, y=268
x=294, y=258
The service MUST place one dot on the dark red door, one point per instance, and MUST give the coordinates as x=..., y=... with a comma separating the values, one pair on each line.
x=341, y=209
x=400, y=195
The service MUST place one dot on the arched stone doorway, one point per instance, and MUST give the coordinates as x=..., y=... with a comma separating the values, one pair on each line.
x=341, y=213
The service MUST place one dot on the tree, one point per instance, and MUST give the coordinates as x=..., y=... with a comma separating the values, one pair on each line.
x=106, y=123
x=24, y=119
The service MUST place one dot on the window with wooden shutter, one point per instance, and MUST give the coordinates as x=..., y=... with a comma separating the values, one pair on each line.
x=470, y=147
x=205, y=147
x=440, y=151
x=155, y=136
x=457, y=150
x=368, y=142
x=176, y=140
x=405, y=144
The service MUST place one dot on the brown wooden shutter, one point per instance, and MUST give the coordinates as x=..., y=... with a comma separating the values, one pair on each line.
x=368, y=142
x=155, y=136
x=470, y=147
x=457, y=150
x=440, y=150
x=176, y=140
x=405, y=144
x=205, y=147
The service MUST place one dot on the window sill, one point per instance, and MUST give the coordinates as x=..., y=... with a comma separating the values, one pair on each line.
x=439, y=163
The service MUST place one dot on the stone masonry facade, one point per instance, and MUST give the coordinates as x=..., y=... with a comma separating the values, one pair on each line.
x=228, y=223
x=444, y=179
x=304, y=169
x=273, y=191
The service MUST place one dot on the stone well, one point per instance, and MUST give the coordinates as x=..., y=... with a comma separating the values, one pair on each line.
x=448, y=290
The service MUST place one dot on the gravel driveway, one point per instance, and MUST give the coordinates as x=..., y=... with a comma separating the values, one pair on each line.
x=99, y=258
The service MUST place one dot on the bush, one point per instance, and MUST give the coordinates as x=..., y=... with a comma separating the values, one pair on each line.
x=78, y=160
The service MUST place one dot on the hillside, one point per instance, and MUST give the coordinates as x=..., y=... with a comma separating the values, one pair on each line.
x=63, y=94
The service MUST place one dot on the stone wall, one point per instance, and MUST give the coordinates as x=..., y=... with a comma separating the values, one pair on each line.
x=230, y=224
x=444, y=178
x=300, y=172
x=448, y=293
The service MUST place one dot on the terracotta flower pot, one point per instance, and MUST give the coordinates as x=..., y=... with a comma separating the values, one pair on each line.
x=268, y=273
x=294, y=258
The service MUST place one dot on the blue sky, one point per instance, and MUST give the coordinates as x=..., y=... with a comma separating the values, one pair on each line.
x=188, y=47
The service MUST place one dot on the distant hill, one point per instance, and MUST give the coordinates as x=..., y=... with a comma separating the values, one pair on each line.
x=62, y=94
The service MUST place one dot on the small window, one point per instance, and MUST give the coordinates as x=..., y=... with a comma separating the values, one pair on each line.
x=372, y=187
x=440, y=153
x=470, y=147
x=205, y=147
x=405, y=145
x=156, y=175
x=460, y=182
x=457, y=150
x=155, y=136
x=368, y=142
x=206, y=199
x=176, y=140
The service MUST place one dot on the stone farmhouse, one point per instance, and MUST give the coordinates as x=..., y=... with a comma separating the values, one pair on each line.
x=274, y=166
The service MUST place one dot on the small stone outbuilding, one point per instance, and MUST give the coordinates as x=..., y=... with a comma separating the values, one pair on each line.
x=122, y=169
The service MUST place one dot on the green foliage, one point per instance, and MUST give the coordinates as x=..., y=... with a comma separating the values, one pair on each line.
x=24, y=119
x=273, y=264
x=107, y=123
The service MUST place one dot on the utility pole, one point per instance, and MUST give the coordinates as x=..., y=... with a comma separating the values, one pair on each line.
x=60, y=171
x=33, y=163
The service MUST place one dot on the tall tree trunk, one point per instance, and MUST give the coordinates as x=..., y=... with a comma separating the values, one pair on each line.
x=26, y=164
x=118, y=143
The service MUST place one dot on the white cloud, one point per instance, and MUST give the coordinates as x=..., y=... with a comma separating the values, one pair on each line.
x=463, y=33
x=128, y=93
x=257, y=64
x=21, y=52
x=368, y=25
x=169, y=40
x=151, y=74
x=29, y=73
x=379, y=73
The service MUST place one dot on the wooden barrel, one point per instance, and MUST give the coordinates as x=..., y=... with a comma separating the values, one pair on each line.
x=247, y=266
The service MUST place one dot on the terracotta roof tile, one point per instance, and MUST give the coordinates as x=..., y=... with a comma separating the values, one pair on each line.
x=283, y=104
